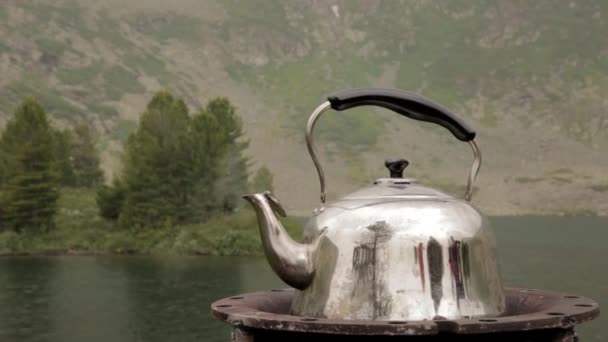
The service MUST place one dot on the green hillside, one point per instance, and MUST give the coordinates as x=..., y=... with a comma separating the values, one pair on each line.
x=531, y=76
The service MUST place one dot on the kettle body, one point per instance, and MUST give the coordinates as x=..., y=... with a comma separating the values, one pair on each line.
x=395, y=250
x=400, y=251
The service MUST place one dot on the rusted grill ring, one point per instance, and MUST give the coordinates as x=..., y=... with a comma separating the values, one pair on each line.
x=527, y=309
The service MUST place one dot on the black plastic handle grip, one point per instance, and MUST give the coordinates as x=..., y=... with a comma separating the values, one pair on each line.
x=405, y=103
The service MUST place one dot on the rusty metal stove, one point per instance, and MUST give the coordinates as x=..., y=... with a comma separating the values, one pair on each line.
x=531, y=316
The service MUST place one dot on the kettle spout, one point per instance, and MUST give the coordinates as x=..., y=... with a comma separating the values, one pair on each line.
x=292, y=261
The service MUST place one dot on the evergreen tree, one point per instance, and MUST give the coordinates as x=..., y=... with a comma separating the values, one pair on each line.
x=230, y=168
x=262, y=180
x=158, y=167
x=5, y=165
x=233, y=180
x=62, y=149
x=208, y=144
x=85, y=158
x=110, y=200
x=77, y=161
x=176, y=168
x=29, y=190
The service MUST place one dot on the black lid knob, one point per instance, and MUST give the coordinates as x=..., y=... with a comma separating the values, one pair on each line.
x=396, y=167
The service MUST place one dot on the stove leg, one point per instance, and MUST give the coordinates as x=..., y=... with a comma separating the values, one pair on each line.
x=239, y=335
x=566, y=336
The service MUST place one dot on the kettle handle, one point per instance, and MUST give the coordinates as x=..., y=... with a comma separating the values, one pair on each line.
x=405, y=103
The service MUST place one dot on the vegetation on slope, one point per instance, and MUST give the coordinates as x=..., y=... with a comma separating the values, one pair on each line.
x=530, y=74
x=451, y=52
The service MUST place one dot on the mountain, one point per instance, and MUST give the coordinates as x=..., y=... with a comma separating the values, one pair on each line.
x=530, y=76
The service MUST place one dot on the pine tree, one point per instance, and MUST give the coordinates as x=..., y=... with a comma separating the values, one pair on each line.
x=62, y=150
x=84, y=158
x=110, y=200
x=233, y=180
x=262, y=180
x=29, y=190
x=208, y=146
x=178, y=169
x=157, y=167
x=229, y=178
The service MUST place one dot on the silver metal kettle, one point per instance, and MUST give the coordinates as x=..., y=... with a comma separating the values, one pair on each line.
x=395, y=250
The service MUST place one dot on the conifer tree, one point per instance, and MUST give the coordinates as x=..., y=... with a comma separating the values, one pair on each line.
x=29, y=190
x=110, y=200
x=176, y=168
x=157, y=168
x=208, y=145
x=62, y=150
x=84, y=158
x=233, y=180
x=226, y=175
x=262, y=180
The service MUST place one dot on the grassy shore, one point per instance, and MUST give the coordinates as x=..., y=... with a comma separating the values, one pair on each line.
x=80, y=230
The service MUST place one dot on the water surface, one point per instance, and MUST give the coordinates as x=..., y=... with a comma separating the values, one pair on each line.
x=113, y=298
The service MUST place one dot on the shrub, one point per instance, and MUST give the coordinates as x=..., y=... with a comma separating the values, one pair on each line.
x=10, y=241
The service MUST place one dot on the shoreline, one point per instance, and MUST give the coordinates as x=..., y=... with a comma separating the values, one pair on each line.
x=250, y=240
x=82, y=252
x=69, y=252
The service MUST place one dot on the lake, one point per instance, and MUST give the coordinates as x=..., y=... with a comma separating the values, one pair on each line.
x=145, y=298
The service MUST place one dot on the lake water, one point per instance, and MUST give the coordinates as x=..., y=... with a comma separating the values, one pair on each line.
x=132, y=298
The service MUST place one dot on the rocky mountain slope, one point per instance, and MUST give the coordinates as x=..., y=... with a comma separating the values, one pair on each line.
x=531, y=76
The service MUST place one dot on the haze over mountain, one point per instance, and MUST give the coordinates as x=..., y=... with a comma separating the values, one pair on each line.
x=530, y=76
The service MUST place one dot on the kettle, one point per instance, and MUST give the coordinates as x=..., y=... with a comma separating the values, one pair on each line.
x=394, y=250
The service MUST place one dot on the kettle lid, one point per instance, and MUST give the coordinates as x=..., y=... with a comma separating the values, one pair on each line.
x=396, y=187
x=391, y=188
